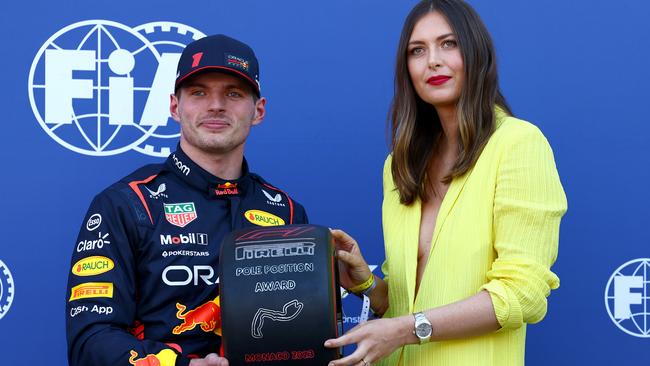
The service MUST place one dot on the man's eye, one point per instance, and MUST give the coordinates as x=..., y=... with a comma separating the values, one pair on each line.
x=234, y=94
x=198, y=93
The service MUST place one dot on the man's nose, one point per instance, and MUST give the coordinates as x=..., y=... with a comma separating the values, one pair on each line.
x=217, y=102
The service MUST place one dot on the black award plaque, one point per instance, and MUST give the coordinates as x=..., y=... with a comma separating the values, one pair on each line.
x=279, y=296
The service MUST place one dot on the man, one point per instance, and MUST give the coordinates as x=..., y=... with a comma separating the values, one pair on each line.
x=143, y=286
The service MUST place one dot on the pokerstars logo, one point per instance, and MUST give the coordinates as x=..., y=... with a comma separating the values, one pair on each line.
x=99, y=87
x=627, y=297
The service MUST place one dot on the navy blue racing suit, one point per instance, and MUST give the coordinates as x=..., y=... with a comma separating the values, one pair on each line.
x=143, y=287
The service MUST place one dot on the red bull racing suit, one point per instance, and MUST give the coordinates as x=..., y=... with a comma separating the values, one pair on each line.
x=143, y=283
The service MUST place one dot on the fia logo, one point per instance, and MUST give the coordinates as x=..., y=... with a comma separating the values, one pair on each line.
x=627, y=297
x=6, y=289
x=99, y=88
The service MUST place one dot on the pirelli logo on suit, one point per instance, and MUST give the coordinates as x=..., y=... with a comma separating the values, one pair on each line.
x=91, y=290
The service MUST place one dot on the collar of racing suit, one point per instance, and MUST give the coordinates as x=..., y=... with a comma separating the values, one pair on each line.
x=191, y=173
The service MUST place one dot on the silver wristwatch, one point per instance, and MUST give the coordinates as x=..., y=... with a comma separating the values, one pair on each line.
x=423, y=328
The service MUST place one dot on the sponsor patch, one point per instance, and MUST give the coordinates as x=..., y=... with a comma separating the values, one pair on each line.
x=189, y=238
x=182, y=167
x=93, y=244
x=273, y=200
x=93, y=222
x=164, y=357
x=207, y=316
x=184, y=253
x=101, y=310
x=226, y=189
x=180, y=214
x=160, y=192
x=91, y=290
x=237, y=62
x=263, y=218
x=92, y=266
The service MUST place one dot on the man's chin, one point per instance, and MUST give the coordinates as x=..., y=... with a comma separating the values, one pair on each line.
x=217, y=148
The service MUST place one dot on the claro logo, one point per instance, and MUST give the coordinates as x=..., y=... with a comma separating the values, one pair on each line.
x=184, y=275
x=93, y=244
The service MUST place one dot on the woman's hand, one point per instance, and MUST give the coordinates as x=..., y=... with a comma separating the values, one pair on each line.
x=375, y=340
x=353, y=269
x=211, y=359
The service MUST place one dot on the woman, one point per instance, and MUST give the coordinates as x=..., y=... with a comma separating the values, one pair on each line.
x=471, y=211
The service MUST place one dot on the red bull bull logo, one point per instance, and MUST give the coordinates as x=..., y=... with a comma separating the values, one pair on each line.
x=165, y=357
x=207, y=316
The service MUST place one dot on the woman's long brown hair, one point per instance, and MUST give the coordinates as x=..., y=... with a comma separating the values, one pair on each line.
x=415, y=126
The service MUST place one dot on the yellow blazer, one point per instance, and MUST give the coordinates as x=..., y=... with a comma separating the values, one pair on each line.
x=497, y=230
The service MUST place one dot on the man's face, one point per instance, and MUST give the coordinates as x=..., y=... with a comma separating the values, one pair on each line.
x=216, y=112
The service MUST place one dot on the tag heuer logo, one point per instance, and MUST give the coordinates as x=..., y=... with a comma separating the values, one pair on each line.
x=180, y=214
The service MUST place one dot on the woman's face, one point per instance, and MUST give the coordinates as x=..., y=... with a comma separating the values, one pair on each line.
x=434, y=61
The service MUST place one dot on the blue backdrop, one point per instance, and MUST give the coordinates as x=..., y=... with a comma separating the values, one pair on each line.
x=576, y=69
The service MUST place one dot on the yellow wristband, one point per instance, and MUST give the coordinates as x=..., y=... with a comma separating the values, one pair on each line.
x=364, y=286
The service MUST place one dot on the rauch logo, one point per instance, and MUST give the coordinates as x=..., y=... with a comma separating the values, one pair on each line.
x=263, y=218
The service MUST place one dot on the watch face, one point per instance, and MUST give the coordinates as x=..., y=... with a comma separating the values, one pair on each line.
x=423, y=330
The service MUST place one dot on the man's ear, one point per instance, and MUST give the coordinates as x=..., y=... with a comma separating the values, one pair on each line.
x=260, y=111
x=173, y=107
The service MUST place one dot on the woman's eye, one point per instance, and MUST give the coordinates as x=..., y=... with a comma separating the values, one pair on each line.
x=416, y=51
x=450, y=43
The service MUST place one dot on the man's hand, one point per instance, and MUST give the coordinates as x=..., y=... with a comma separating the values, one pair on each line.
x=210, y=360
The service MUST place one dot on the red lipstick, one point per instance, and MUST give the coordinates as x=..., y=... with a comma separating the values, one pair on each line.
x=438, y=80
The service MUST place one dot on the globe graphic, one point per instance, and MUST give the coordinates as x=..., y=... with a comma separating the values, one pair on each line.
x=638, y=324
x=120, y=52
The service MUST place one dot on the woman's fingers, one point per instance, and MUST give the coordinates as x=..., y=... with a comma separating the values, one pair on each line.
x=343, y=241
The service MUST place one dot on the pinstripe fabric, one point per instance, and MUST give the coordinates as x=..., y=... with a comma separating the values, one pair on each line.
x=497, y=229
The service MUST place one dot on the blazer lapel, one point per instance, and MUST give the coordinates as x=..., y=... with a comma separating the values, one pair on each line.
x=411, y=232
x=447, y=205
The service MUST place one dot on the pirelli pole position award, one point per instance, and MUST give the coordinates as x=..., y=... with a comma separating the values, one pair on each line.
x=279, y=296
